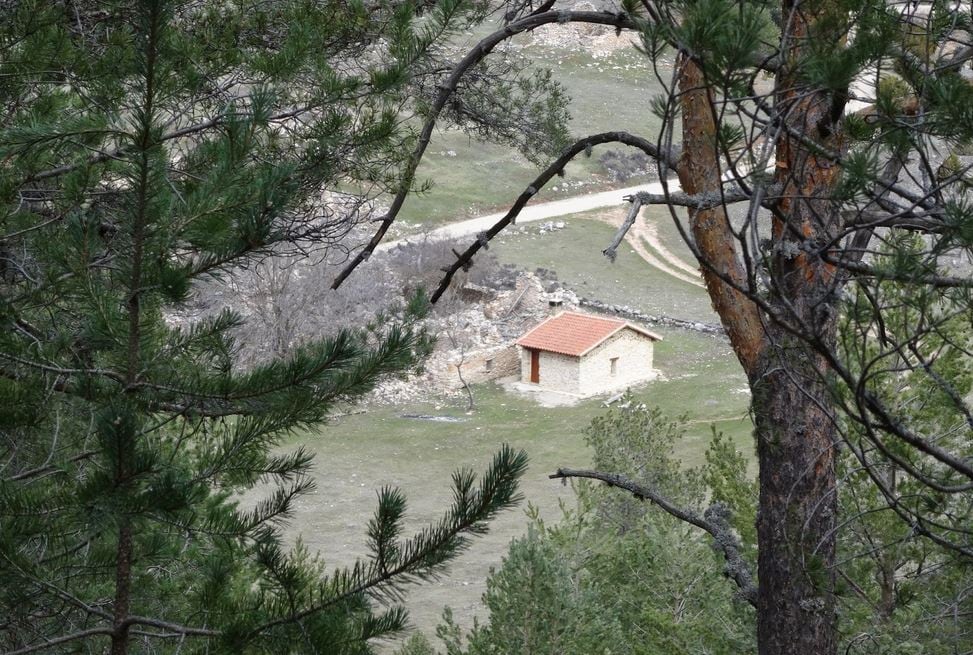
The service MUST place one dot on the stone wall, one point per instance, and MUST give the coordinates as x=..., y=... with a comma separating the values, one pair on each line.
x=483, y=366
x=556, y=372
x=634, y=315
x=633, y=353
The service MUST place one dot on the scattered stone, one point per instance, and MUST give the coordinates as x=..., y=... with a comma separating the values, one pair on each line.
x=551, y=226
x=613, y=399
x=479, y=338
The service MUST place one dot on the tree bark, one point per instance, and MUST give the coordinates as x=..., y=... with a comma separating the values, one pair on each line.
x=798, y=505
x=699, y=173
x=792, y=408
x=123, y=592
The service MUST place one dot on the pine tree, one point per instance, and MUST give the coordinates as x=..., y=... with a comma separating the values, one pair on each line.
x=145, y=146
x=617, y=574
x=805, y=136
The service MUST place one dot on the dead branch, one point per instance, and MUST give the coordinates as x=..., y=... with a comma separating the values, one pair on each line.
x=701, y=200
x=715, y=521
x=633, y=213
x=74, y=636
x=50, y=468
x=930, y=279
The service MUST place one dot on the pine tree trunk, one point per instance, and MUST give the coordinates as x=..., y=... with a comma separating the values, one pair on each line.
x=792, y=407
x=123, y=593
x=798, y=505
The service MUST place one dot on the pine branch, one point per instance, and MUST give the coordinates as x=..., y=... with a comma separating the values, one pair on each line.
x=189, y=130
x=424, y=553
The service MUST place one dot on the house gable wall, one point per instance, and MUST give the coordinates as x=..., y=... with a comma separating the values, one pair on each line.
x=634, y=353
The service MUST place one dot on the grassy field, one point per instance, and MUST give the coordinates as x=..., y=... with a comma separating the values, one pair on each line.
x=575, y=254
x=668, y=233
x=357, y=454
x=360, y=453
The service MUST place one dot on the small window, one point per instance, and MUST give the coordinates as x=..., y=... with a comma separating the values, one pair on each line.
x=488, y=365
x=614, y=365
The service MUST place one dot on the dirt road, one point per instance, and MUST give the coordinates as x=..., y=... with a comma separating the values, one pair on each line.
x=662, y=258
x=643, y=234
x=540, y=211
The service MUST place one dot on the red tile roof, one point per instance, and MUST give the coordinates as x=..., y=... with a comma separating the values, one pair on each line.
x=570, y=333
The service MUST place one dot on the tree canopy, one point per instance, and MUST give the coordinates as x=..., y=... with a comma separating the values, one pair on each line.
x=813, y=158
x=147, y=146
x=823, y=186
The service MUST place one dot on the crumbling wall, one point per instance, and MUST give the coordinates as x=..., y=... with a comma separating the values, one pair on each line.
x=482, y=366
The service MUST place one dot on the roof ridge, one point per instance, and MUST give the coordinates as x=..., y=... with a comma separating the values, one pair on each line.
x=576, y=333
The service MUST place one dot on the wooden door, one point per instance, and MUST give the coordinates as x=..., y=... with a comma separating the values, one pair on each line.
x=535, y=366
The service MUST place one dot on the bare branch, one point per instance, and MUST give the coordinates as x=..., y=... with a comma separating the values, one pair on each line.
x=715, y=521
x=554, y=169
x=57, y=641
x=173, y=627
x=700, y=200
x=929, y=279
x=633, y=213
x=50, y=468
x=131, y=620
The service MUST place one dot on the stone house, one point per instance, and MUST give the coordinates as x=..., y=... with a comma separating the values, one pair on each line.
x=584, y=355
